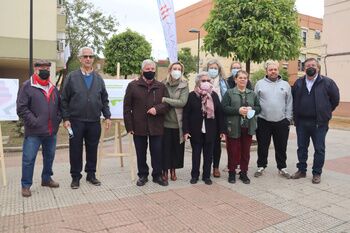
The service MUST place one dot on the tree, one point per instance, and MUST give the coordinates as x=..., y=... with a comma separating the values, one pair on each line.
x=129, y=49
x=253, y=31
x=259, y=74
x=189, y=61
x=86, y=26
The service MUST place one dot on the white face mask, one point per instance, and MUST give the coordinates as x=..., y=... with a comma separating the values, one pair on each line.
x=176, y=74
x=213, y=73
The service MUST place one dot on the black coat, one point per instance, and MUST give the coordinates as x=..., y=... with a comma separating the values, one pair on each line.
x=193, y=119
x=326, y=98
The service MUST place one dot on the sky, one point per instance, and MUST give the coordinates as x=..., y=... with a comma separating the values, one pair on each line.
x=144, y=18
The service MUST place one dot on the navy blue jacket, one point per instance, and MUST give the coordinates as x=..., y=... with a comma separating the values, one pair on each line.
x=326, y=98
x=41, y=116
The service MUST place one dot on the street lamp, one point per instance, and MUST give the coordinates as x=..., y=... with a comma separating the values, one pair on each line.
x=195, y=30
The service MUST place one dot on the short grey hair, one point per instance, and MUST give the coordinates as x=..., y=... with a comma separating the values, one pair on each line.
x=147, y=62
x=268, y=63
x=199, y=76
x=80, y=53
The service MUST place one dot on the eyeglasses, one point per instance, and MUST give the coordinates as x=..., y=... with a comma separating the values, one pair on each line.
x=88, y=56
x=205, y=80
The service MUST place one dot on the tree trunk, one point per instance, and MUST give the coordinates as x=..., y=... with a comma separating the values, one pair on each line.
x=247, y=66
x=126, y=77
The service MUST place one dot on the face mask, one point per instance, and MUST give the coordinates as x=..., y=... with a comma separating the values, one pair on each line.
x=149, y=75
x=250, y=113
x=311, y=71
x=205, y=86
x=213, y=73
x=176, y=74
x=234, y=71
x=44, y=74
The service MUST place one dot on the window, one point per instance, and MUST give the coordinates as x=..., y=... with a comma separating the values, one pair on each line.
x=301, y=61
x=60, y=45
x=317, y=35
x=303, y=36
x=59, y=3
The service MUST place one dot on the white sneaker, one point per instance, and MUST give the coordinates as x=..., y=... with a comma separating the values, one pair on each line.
x=283, y=172
x=259, y=172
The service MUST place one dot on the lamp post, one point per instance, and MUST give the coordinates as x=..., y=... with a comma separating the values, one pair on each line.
x=195, y=30
x=30, y=38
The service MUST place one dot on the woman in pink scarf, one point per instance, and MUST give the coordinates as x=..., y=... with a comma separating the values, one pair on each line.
x=202, y=121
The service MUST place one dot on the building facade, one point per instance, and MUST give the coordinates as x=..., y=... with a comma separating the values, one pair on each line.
x=195, y=15
x=48, y=31
x=336, y=59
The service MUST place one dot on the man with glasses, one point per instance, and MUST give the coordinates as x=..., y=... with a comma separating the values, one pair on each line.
x=315, y=97
x=84, y=97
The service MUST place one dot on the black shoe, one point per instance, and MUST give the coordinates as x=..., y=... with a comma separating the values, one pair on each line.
x=160, y=181
x=244, y=178
x=232, y=177
x=194, y=180
x=207, y=181
x=75, y=183
x=142, y=181
x=93, y=180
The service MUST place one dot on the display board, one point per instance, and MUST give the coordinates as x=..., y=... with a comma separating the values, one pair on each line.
x=8, y=96
x=116, y=91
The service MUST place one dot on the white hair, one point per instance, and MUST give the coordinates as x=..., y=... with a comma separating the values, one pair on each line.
x=199, y=76
x=80, y=53
x=147, y=62
x=268, y=63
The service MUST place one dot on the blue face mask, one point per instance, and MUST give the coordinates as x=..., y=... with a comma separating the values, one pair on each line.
x=234, y=71
x=213, y=73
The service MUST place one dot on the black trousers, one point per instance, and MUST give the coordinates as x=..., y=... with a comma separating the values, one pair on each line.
x=89, y=132
x=279, y=131
x=155, y=146
x=217, y=152
x=173, y=151
x=197, y=148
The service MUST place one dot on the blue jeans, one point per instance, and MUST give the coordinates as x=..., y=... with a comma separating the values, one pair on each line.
x=31, y=146
x=307, y=129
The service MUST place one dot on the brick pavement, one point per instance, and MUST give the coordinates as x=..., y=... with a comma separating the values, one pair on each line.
x=269, y=204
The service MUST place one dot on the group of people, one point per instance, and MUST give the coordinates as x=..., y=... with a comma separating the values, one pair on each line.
x=165, y=114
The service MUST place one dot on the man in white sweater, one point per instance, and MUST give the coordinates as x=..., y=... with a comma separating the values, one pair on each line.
x=274, y=119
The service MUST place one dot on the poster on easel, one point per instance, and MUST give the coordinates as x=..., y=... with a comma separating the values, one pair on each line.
x=8, y=96
x=116, y=91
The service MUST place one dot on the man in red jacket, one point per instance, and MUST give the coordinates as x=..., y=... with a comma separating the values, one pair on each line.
x=38, y=105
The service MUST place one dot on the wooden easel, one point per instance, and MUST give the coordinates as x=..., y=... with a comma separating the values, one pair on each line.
x=117, y=148
x=2, y=161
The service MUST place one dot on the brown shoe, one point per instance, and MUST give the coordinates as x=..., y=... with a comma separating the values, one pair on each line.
x=173, y=175
x=298, y=175
x=316, y=179
x=165, y=175
x=216, y=173
x=51, y=183
x=26, y=192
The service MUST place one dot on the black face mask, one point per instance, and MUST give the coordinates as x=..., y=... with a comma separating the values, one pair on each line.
x=311, y=71
x=149, y=75
x=44, y=74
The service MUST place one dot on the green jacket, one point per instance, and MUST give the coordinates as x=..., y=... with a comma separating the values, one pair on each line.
x=231, y=102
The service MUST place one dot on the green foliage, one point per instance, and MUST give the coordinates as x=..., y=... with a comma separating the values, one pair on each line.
x=257, y=75
x=86, y=26
x=255, y=30
x=188, y=60
x=129, y=49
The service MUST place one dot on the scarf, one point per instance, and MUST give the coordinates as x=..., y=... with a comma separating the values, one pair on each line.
x=37, y=79
x=207, y=102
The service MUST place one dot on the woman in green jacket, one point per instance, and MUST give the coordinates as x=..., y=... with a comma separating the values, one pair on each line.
x=240, y=106
x=173, y=143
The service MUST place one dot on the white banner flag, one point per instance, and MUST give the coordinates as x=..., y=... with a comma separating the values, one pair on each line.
x=167, y=17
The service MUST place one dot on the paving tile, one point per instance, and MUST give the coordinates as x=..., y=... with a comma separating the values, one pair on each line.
x=165, y=224
x=343, y=228
x=127, y=191
x=90, y=223
x=77, y=211
x=99, y=196
x=176, y=206
x=148, y=212
x=162, y=197
x=341, y=165
x=132, y=228
x=136, y=201
x=108, y=206
x=42, y=217
x=337, y=212
x=12, y=223
x=118, y=218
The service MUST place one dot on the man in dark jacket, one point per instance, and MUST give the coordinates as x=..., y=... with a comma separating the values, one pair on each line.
x=144, y=118
x=84, y=97
x=38, y=105
x=314, y=99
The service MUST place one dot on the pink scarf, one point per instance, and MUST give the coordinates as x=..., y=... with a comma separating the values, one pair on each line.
x=207, y=102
